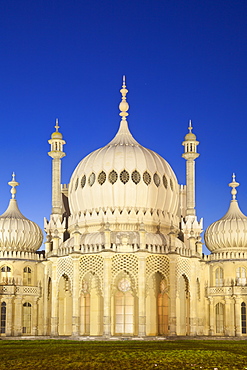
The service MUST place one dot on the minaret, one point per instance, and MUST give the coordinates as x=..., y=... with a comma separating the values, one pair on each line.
x=191, y=228
x=190, y=154
x=56, y=154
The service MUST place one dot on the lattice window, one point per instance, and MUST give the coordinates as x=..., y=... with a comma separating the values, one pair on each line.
x=91, y=179
x=156, y=179
x=76, y=183
x=124, y=176
x=136, y=177
x=146, y=178
x=101, y=177
x=157, y=264
x=165, y=183
x=183, y=268
x=127, y=264
x=113, y=177
x=65, y=266
x=92, y=264
x=83, y=181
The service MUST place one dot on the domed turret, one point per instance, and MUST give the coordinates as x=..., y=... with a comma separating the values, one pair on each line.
x=17, y=233
x=230, y=232
x=123, y=178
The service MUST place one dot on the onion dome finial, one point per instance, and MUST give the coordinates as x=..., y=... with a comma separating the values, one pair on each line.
x=13, y=183
x=56, y=134
x=233, y=185
x=124, y=106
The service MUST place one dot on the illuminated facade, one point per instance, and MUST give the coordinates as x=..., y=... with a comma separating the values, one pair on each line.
x=123, y=254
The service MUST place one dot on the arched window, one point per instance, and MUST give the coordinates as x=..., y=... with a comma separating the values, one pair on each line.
x=26, y=318
x=241, y=276
x=243, y=317
x=27, y=276
x=124, y=311
x=219, y=314
x=219, y=277
x=162, y=308
x=3, y=317
x=5, y=274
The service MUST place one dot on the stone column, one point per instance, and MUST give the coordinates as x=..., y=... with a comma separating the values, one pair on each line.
x=75, y=297
x=237, y=314
x=9, y=315
x=193, y=303
x=107, y=295
x=54, y=303
x=173, y=296
x=18, y=317
x=211, y=315
x=45, y=302
x=228, y=318
x=35, y=316
x=142, y=295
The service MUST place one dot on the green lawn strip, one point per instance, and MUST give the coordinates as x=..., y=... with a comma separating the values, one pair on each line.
x=60, y=354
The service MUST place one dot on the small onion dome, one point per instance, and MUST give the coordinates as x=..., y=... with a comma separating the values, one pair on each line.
x=190, y=136
x=230, y=232
x=17, y=233
x=56, y=134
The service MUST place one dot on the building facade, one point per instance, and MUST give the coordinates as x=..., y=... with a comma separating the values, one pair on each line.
x=123, y=252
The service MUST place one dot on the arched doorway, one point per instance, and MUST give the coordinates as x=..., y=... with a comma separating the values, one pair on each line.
x=243, y=317
x=91, y=306
x=219, y=318
x=3, y=317
x=157, y=302
x=26, y=318
x=124, y=308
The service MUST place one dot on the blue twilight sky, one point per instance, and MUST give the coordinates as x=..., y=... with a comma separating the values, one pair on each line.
x=183, y=59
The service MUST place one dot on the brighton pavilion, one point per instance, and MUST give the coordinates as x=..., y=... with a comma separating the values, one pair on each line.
x=123, y=250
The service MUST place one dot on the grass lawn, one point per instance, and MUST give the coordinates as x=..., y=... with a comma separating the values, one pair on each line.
x=141, y=355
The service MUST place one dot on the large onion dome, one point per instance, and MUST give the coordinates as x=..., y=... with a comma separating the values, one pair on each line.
x=124, y=178
x=17, y=233
x=230, y=232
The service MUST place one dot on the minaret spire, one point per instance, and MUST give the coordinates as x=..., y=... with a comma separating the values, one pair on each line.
x=56, y=154
x=13, y=184
x=190, y=154
x=124, y=106
x=234, y=185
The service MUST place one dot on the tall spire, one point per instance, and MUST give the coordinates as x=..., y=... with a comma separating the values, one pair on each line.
x=124, y=106
x=233, y=185
x=56, y=126
x=190, y=126
x=190, y=154
x=123, y=136
x=13, y=184
x=56, y=153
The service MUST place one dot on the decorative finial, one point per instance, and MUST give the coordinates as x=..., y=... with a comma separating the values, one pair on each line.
x=234, y=185
x=56, y=126
x=13, y=183
x=124, y=106
x=190, y=126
